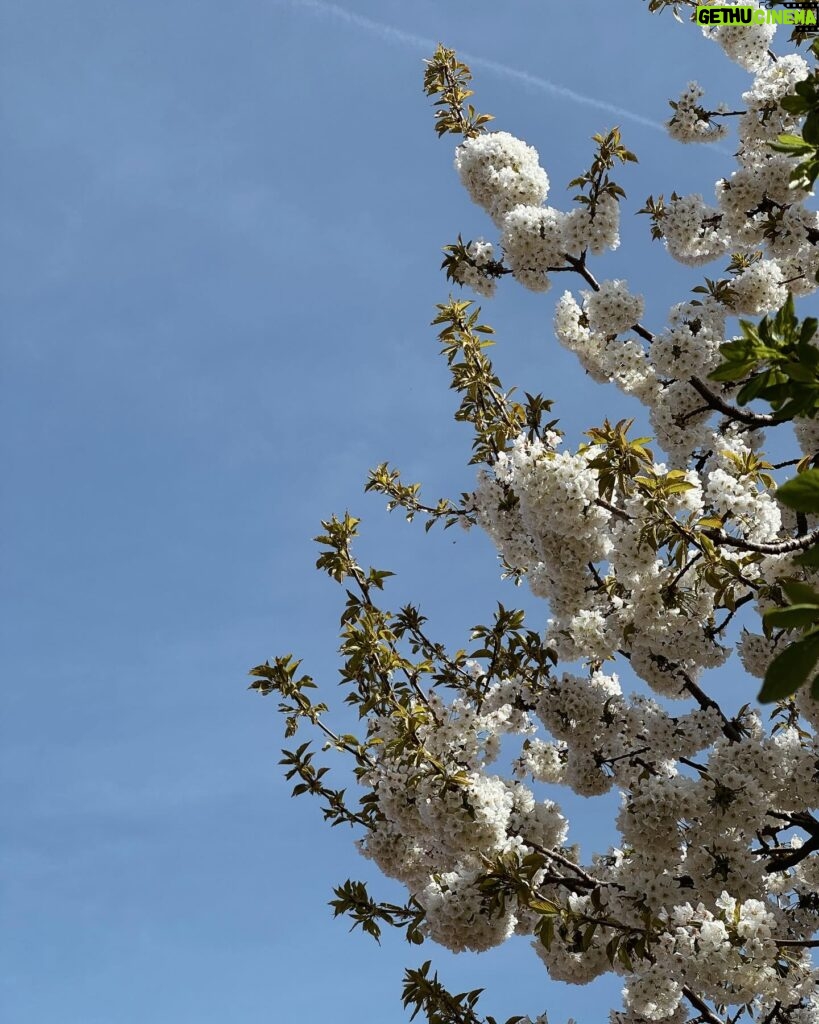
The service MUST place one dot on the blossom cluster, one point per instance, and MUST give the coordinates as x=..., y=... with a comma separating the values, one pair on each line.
x=748, y=45
x=691, y=122
x=472, y=271
x=503, y=175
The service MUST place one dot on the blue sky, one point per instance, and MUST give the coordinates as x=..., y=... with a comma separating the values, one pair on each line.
x=221, y=238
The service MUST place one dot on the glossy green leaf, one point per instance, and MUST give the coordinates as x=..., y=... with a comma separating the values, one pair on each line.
x=790, y=670
x=802, y=492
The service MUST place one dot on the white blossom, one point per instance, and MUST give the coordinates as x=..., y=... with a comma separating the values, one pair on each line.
x=501, y=172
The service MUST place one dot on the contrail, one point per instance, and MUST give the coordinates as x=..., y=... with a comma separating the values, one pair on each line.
x=396, y=35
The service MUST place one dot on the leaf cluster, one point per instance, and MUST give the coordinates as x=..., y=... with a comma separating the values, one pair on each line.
x=657, y=6
x=655, y=209
x=424, y=992
x=804, y=102
x=496, y=419
x=448, y=78
x=299, y=763
x=596, y=182
x=387, y=481
x=792, y=667
x=621, y=458
x=353, y=900
x=457, y=254
x=280, y=677
x=777, y=361
x=797, y=663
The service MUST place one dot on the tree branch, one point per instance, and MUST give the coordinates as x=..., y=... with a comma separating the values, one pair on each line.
x=753, y=419
x=579, y=266
x=774, y=548
x=703, y=1007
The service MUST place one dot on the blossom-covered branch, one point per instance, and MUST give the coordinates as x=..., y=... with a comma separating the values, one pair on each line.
x=705, y=901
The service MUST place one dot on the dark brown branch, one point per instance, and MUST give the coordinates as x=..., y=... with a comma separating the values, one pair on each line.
x=730, y=728
x=691, y=561
x=737, y=604
x=705, y=1010
x=613, y=509
x=579, y=265
x=753, y=419
x=774, y=1012
x=565, y=862
x=781, y=547
x=784, y=857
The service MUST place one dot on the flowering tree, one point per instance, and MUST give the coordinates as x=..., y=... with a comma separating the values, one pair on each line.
x=708, y=903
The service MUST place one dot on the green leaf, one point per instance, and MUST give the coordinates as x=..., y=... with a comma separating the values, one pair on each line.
x=546, y=931
x=790, y=669
x=798, y=592
x=541, y=906
x=799, y=372
x=754, y=388
x=802, y=492
x=624, y=958
x=809, y=558
x=733, y=370
x=791, y=144
x=795, y=616
x=795, y=104
x=710, y=522
x=810, y=129
x=588, y=936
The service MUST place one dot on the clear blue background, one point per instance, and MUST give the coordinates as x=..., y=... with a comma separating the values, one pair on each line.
x=221, y=237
